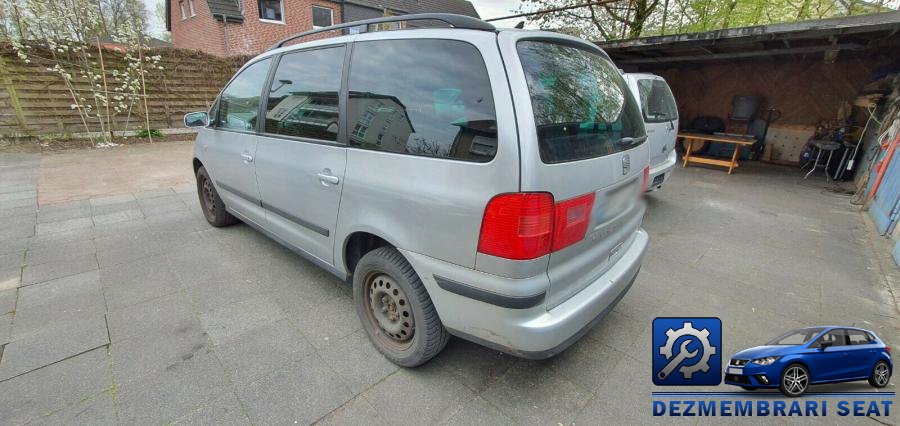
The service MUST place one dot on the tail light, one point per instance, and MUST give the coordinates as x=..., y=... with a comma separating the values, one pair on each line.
x=646, y=182
x=529, y=225
x=517, y=226
x=571, y=220
x=888, y=348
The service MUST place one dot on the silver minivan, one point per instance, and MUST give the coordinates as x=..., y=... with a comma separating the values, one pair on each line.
x=661, y=121
x=466, y=180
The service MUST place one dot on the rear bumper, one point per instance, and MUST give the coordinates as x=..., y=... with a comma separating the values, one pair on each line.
x=662, y=169
x=522, y=330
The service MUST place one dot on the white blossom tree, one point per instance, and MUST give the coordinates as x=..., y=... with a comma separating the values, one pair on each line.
x=64, y=36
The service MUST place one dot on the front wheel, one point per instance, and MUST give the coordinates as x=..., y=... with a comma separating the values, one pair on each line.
x=794, y=380
x=881, y=375
x=395, y=309
x=213, y=207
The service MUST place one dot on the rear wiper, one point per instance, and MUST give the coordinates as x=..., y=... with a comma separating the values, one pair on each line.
x=631, y=141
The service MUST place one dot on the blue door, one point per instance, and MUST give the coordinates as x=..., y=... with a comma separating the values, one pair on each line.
x=884, y=208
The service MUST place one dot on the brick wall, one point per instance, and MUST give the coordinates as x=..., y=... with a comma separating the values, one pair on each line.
x=250, y=37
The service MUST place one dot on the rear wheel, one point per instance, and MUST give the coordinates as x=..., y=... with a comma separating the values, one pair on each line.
x=213, y=207
x=881, y=375
x=794, y=380
x=395, y=309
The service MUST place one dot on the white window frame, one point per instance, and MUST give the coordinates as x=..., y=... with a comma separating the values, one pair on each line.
x=330, y=11
x=192, y=9
x=273, y=21
x=181, y=8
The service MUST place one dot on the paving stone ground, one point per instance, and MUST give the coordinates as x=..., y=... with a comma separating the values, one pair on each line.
x=130, y=309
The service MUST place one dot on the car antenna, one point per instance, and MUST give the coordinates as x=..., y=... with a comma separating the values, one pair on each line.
x=854, y=324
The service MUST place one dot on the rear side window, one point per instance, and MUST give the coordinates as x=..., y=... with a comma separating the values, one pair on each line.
x=580, y=101
x=239, y=103
x=303, y=98
x=858, y=337
x=657, y=102
x=421, y=97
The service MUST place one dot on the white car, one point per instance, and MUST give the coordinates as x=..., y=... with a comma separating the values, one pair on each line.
x=661, y=121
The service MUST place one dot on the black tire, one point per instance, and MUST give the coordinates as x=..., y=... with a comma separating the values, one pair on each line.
x=213, y=207
x=799, y=377
x=881, y=375
x=748, y=388
x=395, y=309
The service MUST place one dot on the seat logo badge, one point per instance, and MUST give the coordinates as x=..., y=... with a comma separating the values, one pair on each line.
x=626, y=164
x=697, y=348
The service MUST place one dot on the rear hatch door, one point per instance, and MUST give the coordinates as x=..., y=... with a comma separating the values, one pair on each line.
x=660, y=115
x=582, y=138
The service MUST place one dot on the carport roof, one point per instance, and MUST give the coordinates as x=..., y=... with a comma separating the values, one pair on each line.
x=851, y=33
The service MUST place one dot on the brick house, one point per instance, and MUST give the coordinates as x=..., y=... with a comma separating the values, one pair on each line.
x=242, y=27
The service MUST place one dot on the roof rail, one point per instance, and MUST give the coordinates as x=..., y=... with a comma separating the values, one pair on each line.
x=455, y=21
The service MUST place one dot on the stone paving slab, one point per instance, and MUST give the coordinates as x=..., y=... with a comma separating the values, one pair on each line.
x=51, y=345
x=54, y=387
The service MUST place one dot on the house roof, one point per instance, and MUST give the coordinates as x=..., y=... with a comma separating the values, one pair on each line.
x=459, y=7
x=852, y=33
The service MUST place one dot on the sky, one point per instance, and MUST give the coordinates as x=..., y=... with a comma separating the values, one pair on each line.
x=486, y=8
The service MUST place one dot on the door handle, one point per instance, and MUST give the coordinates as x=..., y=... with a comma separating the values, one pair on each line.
x=846, y=353
x=247, y=158
x=327, y=178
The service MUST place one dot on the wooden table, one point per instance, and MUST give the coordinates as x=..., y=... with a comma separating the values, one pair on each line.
x=738, y=142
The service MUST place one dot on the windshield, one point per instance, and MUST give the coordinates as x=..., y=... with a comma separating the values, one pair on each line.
x=797, y=337
x=657, y=101
x=581, y=104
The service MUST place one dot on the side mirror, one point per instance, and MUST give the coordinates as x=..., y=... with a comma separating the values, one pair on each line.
x=824, y=345
x=196, y=119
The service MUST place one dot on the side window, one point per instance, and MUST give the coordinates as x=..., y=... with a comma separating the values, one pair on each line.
x=858, y=337
x=657, y=102
x=303, y=98
x=838, y=336
x=239, y=102
x=421, y=97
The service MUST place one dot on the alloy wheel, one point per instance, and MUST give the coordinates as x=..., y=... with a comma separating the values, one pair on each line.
x=796, y=380
x=881, y=374
x=389, y=309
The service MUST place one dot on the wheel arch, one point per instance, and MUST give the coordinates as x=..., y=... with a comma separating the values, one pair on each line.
x=197, y=165
x=357, y=244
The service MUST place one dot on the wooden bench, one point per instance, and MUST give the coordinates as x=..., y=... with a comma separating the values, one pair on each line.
x=737, y=141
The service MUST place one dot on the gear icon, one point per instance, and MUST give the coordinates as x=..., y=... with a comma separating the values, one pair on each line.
x=688, y=330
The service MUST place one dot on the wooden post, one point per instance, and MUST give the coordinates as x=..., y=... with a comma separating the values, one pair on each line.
x=13, y=97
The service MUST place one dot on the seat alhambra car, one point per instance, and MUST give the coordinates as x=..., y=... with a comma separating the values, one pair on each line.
x=661, y=121
x=467, y=181
x=811, y=356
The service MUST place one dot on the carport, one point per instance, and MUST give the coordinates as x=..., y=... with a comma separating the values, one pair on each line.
x=802, y=79
x=829, y=80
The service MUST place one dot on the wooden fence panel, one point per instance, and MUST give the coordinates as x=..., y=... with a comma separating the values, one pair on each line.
x=36, y=103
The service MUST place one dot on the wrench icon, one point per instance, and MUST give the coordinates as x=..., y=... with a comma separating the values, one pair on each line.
x=683, y=354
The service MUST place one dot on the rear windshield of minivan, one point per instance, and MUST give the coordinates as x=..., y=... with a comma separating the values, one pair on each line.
x=657, y=101
x=581, y=104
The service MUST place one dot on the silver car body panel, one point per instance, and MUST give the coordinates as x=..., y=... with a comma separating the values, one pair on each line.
x=661, y=136
x=431, y=209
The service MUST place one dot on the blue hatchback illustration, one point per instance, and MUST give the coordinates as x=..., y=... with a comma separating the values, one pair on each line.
x=811, y=356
